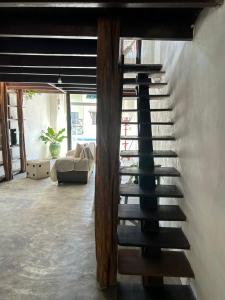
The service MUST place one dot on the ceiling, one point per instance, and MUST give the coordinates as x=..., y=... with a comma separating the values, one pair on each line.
x=53, y=44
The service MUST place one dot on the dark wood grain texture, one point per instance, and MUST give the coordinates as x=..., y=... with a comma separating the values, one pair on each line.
x=138, y=68
x=167, y=191
x=47, y=61
x=10, y=45
x=133, y=291
x=165, y=23
x=148, y=110
x=153, y=138
x=170, y=264
x=21, y=131
x=152, y=123
x=133, y=81
x=107, y=156
x=155, y=153
x=89, y=72
x=162, y=213
x=7, y=159
x=166, y=237
x=68, y=118
x=157, y=171
x=47, y=78
x=152, y=97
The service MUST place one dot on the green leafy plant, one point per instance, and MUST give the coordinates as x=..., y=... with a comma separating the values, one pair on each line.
x=52, y=136
x=28, y=94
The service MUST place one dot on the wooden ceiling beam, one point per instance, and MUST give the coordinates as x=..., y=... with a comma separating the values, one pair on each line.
x=67, y=85
x=82, y=92
x=47, y=61
x=48, y=46
x=22, y=84
x=46, y=91
x=156, y=31
x=71, y=23
x=81, y=89
x=32, y=86
x=29, y=87
x=37, y=90
x=49, y=71
x=47, y=79
x=110, y=4
x=79, y=86
x=143, y=30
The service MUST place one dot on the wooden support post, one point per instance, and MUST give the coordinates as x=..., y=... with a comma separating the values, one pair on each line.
x=7, y=159
x=138, y=51
x=21, y=131
x=109, y=103
x=68, y=113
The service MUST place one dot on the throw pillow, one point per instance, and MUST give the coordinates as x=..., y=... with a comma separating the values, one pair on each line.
x=79, y=149
x=88, y=153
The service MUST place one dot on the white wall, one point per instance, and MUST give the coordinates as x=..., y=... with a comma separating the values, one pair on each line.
x=196, y=73
x=41, y=111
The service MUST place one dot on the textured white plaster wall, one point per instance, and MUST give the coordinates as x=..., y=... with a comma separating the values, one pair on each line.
x=41, y=111
x=196, y=73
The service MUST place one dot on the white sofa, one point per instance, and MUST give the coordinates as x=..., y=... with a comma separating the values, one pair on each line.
x=76, y=167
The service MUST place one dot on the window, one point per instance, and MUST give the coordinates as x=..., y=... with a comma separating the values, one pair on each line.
x=83, y=118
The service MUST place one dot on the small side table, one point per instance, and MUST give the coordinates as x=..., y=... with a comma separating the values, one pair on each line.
x=38, y=169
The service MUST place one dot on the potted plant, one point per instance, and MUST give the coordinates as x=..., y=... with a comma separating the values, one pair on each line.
x=55, y=139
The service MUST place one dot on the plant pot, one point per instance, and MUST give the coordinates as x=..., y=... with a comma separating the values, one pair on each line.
x=55, y=149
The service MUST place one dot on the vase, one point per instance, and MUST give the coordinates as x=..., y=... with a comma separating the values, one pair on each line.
x=55, y=149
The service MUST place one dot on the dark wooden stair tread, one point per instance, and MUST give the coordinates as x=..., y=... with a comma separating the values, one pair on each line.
x=151, y=97
x=133, y=81
x=163, y=213
x=153, y=138
x=167, y=191
x=167, y=237
x=158, y=171
x=169, y=264
x=155, y=153
x=139, y=68
x=146, y=110
x=135, y=291
x=146, y=123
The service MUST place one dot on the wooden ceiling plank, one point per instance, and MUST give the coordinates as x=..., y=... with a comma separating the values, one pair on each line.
x=81, y=92
x=70, y=85
x=164, y=23
x=47, y=79
x=27, y=85
x=176, y=25
x=49, y=71
x=79, y=88
x=10, y=45
x=47, y=61
x=152, y=31
x=158, y=31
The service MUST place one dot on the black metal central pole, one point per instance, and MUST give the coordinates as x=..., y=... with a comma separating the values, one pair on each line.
x=146, y=163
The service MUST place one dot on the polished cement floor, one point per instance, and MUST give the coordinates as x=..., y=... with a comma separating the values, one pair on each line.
x=47, y=248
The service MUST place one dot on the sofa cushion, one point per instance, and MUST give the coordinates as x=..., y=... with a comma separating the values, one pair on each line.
x=86, y=153
x=92, y=148
x=78, y=150
x=71, y=153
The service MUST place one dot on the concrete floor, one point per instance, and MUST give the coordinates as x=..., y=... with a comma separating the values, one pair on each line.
x=47, y=248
